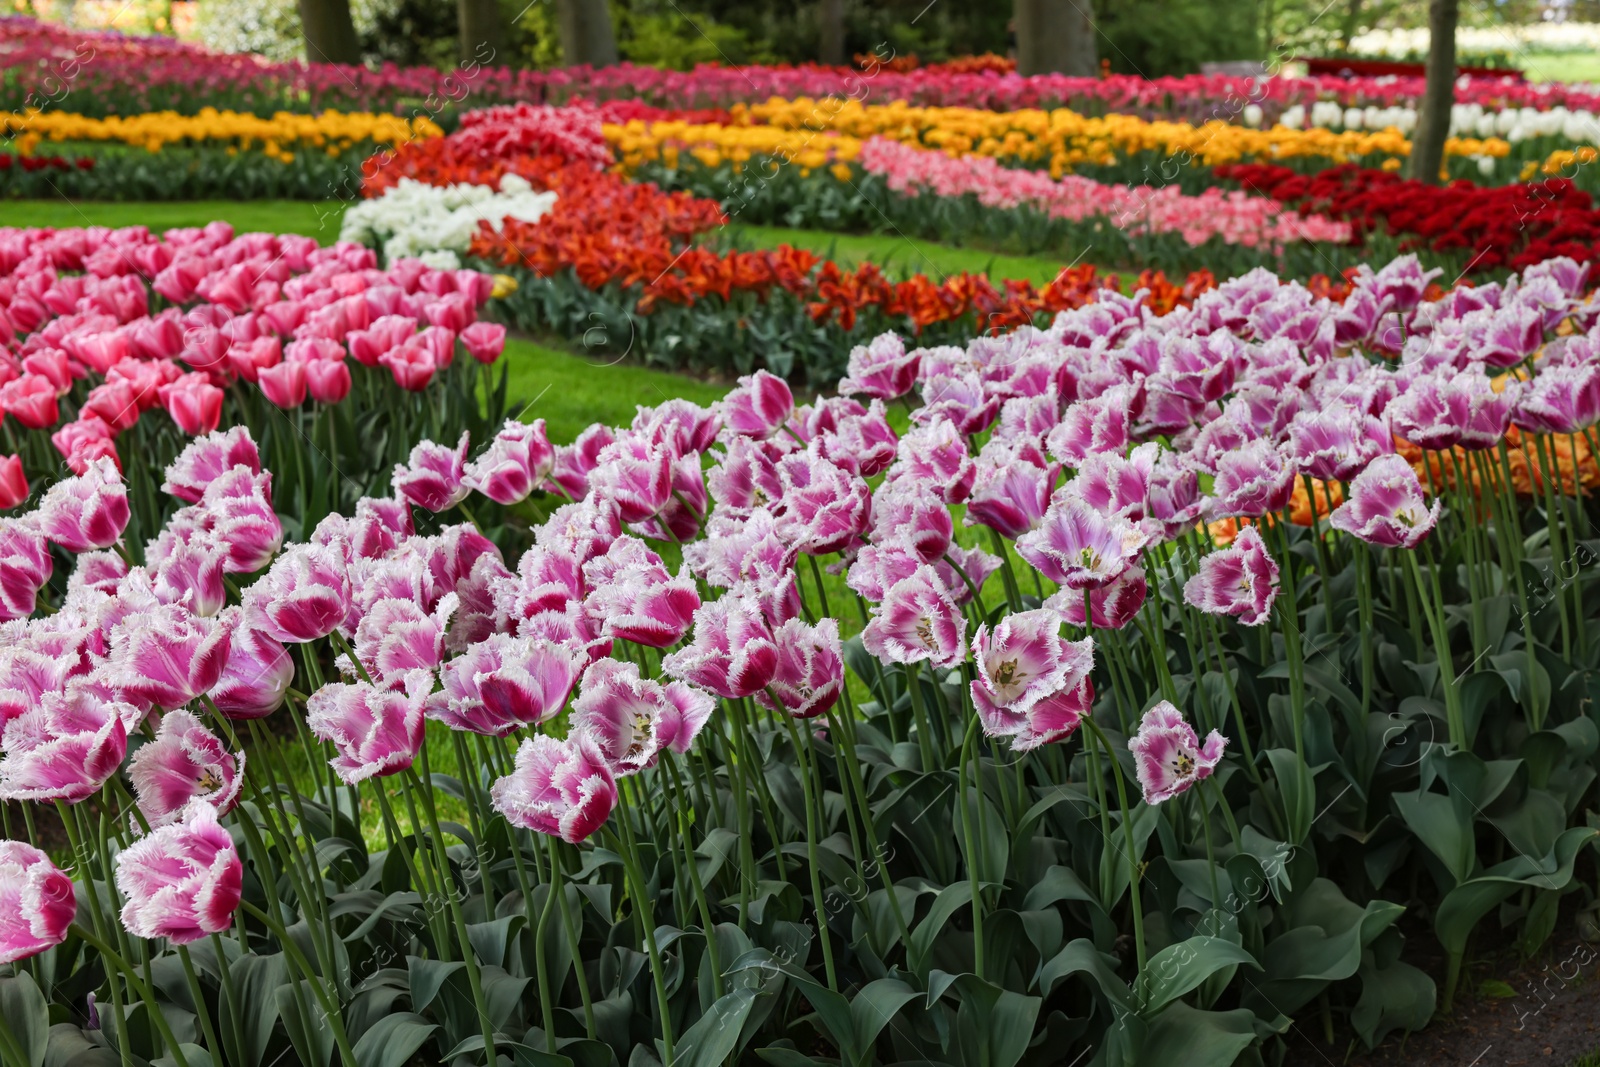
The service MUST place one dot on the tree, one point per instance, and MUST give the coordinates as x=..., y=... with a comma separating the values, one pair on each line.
x=830, y=27
x=329, y=33
x=586, y=33
x=1055, y=37
x=482, y=40
x=1433, y=116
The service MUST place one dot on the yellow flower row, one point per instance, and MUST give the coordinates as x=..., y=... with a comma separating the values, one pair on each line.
x=810, y=132
x=332, y=131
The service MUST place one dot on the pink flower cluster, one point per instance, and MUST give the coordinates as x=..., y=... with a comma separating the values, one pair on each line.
x=276, y=311
x=1237, y=218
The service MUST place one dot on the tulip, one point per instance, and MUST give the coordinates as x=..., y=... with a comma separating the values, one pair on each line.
x=249, y=360
x=1386, y=506
x=374, y=732
x=283, y=384
x=633, y=597
x=1252, y=480
x=504, y=683
x=25, y=567
x=686, y=505
x=862, y=444
x=1563, y=399
x=1168, y=755
x=680, y=425
x=116, y=403
x=877, y=567
x=634, y=474
x=412, y=365
x=570, y=470
x=745, y=476
x=1012, y=490
x=732, y=652
x=823, y=507
x=516, y=462
x=1115, y=484
x=1032, y=686
x=37, y=902
x=1081, y=547
x=484, y=341
x=633, y=719
x=1090, y=426
x=206, y=458
x=397, y=636
x=187, y=565
x=936, y=455
x=31, y=400
x=810, y=675
x=1111, y=607
x=433, y=480
x=88, y=511
x=918, y=620
x=167, y=656
x=882, y=369
x=183, y=881
x=238, y=507
x=257, y=674
x=328, y=380
x=560, y=788
x=1438, y=412
x=185, y=762
x=758, y=406
x=194, y=403
x=1240, y=580
x=83, y=442
x=1337, y=442
x=304, y=596
x=64, y=747
x=909, y=513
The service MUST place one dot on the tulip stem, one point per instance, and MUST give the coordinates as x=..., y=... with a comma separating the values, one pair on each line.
x=819, y=903
x=152, y=1006
x=646, y=916
x=330, y=1008
x=200, y=1006
x=685, y=813
x=970, y=833
x=1441, y=648
x=80, y=857
x=1131, y=855
x=230, y=999
x=574, y=935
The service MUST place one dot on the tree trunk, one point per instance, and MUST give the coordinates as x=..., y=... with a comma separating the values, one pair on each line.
x=1055, y=37
x=329, y=34
x=586, y=33
x=480, y=32
x=830, y=26
x=1352, y=18
x=1433, y=116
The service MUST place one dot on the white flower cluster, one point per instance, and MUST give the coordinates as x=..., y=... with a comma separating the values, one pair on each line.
x=1513, y=124
x=1538, y=36
x=436, y=223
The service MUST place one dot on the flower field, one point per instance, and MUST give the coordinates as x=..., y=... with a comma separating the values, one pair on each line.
x=1143, y=666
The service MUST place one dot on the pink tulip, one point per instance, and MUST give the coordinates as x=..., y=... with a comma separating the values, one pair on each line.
x=936, y=455
x=64, y=747
x=1240, y=580
x=1168, y=755
x=187, y=565
x=1111, y=607
x=248, y=360
x=810, y=675
x=823, y=508
x=1032, y=685
x=1386, y=506
x=679, y=425
x=257, y=674
x=1080, y=547
x=560, y=788
x=732, y=652
x=634, y=598
x=504, y=683
x=635, y=475
x=911, y=514
x=25, y=567
x=88, y=511
x=1090, y=426
x=1012, y=490
x=328, y=380
x=31, y=400
x=570, y=471
x=516, y=462
x=433, y=480
x=194, y=403
x=633, y=719
x=238, y=507
x=183, y=881
x=882, y=369
x=37, y=902
x=185, y=762
x=304, y=596
x=398, y=636
x=686, y=505
x=862, y=444
x=484, y=341
x=877, y=567
x=167, y=657
x=368, y=346
x=1252, y=480
x=374, y=732
x=283, y=384
x=116, y=403
x=745, y=476
x=918, y=620
x=758, y=406
x=1563, y=399
x=83, y=442
x=412, y=365
x=207, y=458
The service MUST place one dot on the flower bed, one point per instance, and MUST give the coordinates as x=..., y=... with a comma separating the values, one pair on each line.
x=1098, y=765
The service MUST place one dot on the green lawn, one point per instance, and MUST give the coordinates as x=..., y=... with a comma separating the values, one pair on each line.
x=1560, y=66
x=315, y=219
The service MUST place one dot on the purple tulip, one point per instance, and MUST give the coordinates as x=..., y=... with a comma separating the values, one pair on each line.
x=65, y=747
x=634, y=598
x=882, y=369
x=810, y=673
x=732, y=652
x=1032, y=686
x=433, y=477
x=1509, y=336
x=1251, y=481
x=207, y=458
x=25, y=567
x=960, y=398
x=935, y=455
x=1386, y=506
x=918, y=620
x=504, y=683
x=1403, y=282
x=1115, y=484
x=374, y=732
x=682, y=426
x=87, y=511
x=1240, y=580
x=1337, y=442
x=37, y=902
x=1564, y=399
x=185, y=762
x=304, y=596
x=1111, y=607
x=182, y=882
x=633, y=719
x=1090, y=426
x=560, y=788
x=1464, y=409
x=758, y=406
x=257, y=676
x=635, y=474
x=909, y=513
x=516, y=462
x=1168, y=755
x=1081, y=547
x=862, y=444
x=745, y=475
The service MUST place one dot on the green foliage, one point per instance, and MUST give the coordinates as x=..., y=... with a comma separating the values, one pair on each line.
x=1160, y=37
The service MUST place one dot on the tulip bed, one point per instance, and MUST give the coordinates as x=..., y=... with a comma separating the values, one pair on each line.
x=1101, y=748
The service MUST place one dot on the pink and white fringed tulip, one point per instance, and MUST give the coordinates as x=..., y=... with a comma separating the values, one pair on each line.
x=1032, y=686
x=635, y=474
x=810, y=673
x=1386, y=506
x=185, y=762
x=1240, y=580
x=433, y=478
x=560, y=788
x=632, y=719
x=183, y=881
x=397, y=636
x=256, y=678
x=25, y=567
x=88, y=511
x=882, y=369
x=208, y=458
x=65, y=747
x=758, y=406
x=374, y=732
x=186, y=565
x=633, y=597
x=306, y=595
x=37, y=902
x=918, y=620
x=732, y=652
x=1111, y=607
x=516, y=462
x=237, y=506
x=1168, y=754
x=167, y=657
x=1079, y=546
x=504, y=683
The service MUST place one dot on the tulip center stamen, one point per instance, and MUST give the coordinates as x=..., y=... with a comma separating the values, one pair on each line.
x=925, y=631
x=1183, y=763
x=1006, y=673
x=210, y=781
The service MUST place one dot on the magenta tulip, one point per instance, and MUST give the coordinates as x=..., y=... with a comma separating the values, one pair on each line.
x=64, y=747
x=185, y=762
x=560, y=788
x=1081, y=547
x=732, y=652
x=1240, y=580
x=167, y=657
x=88, y=511
x=257, y=674
x=374, y=732
x=632, y=719
x=207, y=458
x=810, y=675
x=1386, y=506
x=1168, y=755
x=504, y=683
x=433, y=478
x=516, y=462
x=183, y=881
x=37, y=902
x=25, y=567
x=918, y=620
x=306, y=595
x=1032, y=686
